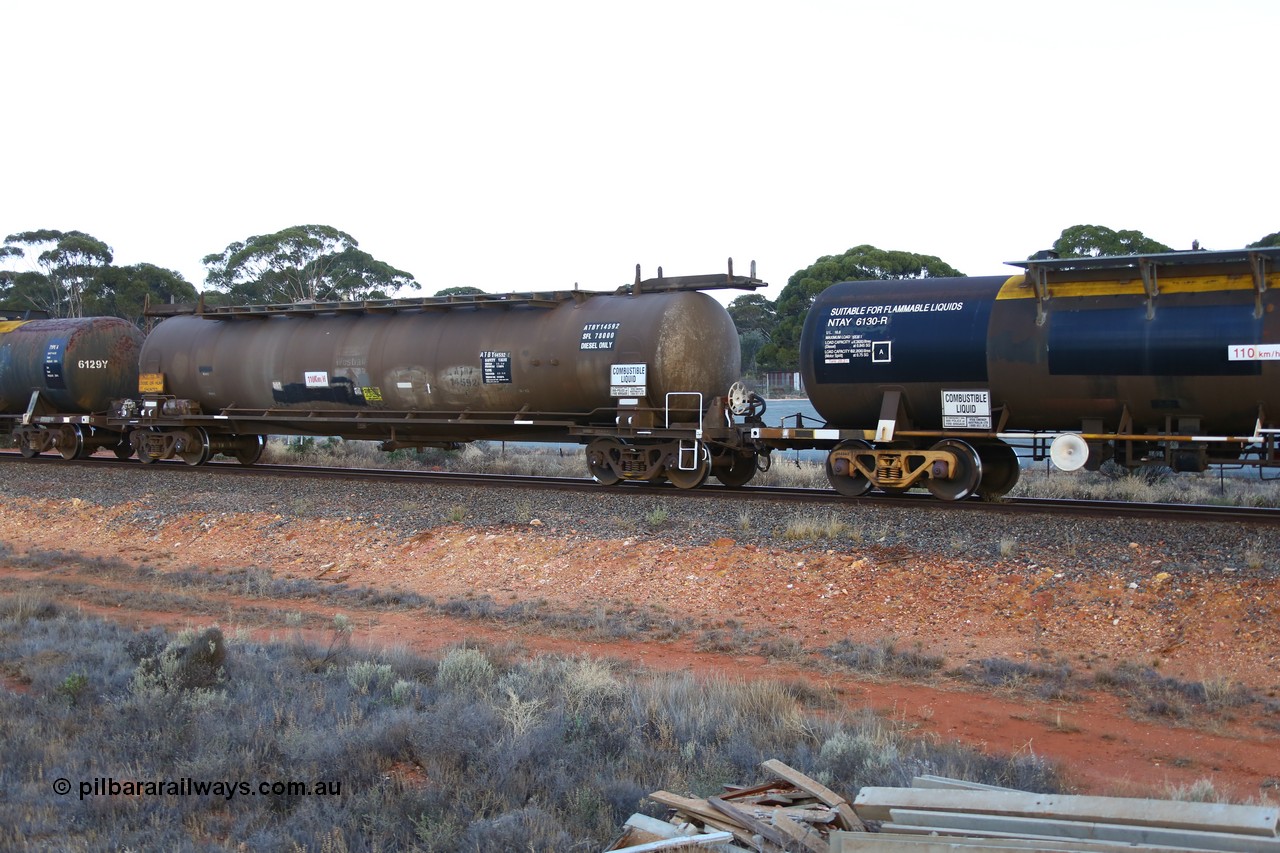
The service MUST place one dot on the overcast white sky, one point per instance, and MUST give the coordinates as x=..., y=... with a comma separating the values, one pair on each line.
x=523, y=145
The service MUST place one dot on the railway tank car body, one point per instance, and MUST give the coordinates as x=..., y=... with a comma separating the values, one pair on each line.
x=1093, y=357
x=78, y=365
x=480, y=357
x=637, y=375
x=1182, y=347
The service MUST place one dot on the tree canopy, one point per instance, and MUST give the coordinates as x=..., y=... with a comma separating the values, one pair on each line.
x=68, y=263
x=300, y=264
x=753, y=313
x=123, y=291
x=858, y=264
x=1093, y=241
x=460, y=290
x=70, y=273
x=755, y=317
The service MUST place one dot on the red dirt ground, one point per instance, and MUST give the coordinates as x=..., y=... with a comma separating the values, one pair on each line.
x=1199, y=629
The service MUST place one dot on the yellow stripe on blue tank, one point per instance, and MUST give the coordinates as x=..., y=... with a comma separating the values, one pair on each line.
x=1019, y=286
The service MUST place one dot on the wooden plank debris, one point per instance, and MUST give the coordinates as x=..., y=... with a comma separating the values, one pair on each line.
x=945, y=782
x=793, y=813
x=884, y=842
x=878, y=803
x=706, y=839
x=653, y=826
x=789, y=813
x=642, y=833
x=700, y=811
x=811, y=786
x=808, y=838
x=755, y=825
x=995, y=826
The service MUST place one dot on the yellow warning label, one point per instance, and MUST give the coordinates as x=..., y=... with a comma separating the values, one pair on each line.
x=150, y=383
x=373, y=394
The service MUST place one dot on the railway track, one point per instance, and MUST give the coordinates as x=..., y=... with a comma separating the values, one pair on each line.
x=1260, y=516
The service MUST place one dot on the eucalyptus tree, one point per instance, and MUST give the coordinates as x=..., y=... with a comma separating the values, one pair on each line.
x=753, y=312
x=124, y=291
x=857, y=264
x=305, y=263
x=66, y=264
x=754, y=316
x=1092, y=241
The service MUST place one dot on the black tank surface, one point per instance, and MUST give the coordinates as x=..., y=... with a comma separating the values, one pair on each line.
x=1190, y=339
x=78, y=365
x=572, y=356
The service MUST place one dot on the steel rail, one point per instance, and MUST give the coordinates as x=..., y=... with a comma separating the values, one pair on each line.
x=1263, y=516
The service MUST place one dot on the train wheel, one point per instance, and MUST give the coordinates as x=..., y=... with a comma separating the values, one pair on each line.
x=690, y=479
x=603, y=474
x=846, y=479
x=1000, y=469
x=71, y=442
x=965, y=476
x=195, y=447
x=598, y=453
x=123, y=450
x=739, y=471
x=249, y=449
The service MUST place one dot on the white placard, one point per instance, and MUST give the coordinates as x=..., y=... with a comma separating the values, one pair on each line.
x=1253, y=352
x=966, y=409
x=628, y=380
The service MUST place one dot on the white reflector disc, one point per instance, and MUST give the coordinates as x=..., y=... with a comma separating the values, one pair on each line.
x=1069, y=452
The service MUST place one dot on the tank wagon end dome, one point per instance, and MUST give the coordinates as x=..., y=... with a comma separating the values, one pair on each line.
x=79, y=365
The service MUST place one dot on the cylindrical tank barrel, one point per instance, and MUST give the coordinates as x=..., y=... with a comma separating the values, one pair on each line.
x=1081, y=358
x=566, y=358
x=78, y=365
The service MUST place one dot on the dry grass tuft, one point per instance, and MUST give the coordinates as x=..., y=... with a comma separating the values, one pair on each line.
x=824, y=527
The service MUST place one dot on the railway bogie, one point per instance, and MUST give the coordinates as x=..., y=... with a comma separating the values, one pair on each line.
x=194, y=445
x=686, y=463
x=70, y=440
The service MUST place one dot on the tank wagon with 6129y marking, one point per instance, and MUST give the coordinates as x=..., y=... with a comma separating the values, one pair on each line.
x=73, y=367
